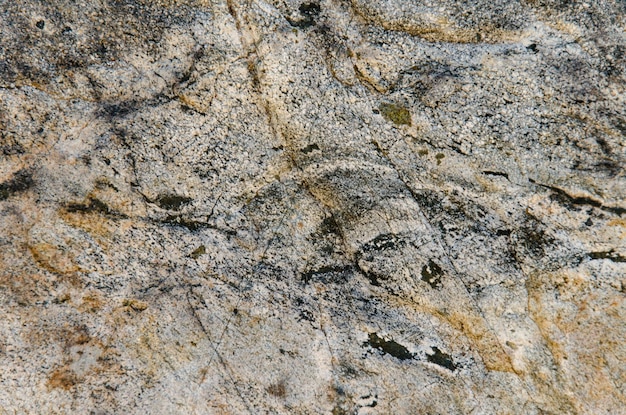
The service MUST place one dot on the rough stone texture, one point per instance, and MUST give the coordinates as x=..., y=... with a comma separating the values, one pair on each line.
x=341, y=207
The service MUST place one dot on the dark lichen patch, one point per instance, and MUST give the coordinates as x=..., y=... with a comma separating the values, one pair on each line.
x=199, y=251
x=395, y=113
x=310, y=148
x=610, y=255
x=9, y=145
x=439, y=157
x=373, y=277
x=620, y=124
x=383, y=242
x=337, y=274
x=309, y=11
x=305, y=309
x=172, y=201
x=429, y=200
x=21, y=181
x=306, y=315
x=533, y=239
x=431, y=273
x=610, y=168
x=329, y=226
x=119, y=109
x=389, y=347
x=178, y=220
x=92, y=205
x=62, y=299
x=277, y=389
x=338, y=410
x=441, y=359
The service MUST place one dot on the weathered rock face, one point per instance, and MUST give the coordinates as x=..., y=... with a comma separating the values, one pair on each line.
x=339, y=207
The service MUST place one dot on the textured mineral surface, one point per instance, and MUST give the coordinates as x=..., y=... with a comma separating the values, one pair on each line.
x=318, y=207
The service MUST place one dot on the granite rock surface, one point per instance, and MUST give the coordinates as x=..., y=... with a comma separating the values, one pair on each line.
x=333, y=206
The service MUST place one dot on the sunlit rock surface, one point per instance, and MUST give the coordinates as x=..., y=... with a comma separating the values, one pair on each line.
x=339, y=207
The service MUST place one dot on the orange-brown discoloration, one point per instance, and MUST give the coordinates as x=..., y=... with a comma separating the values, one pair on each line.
x=63, y=378
x=54, y=259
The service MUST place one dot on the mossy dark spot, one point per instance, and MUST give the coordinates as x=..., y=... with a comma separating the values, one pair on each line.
x=201, y=250
x=172, y=202
x=441, y=359
x=310, y=148
x=439, y=157
x=21, y=181
x=389, y=347
x=395, y=113
x=431, y=273
x=422, y=152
